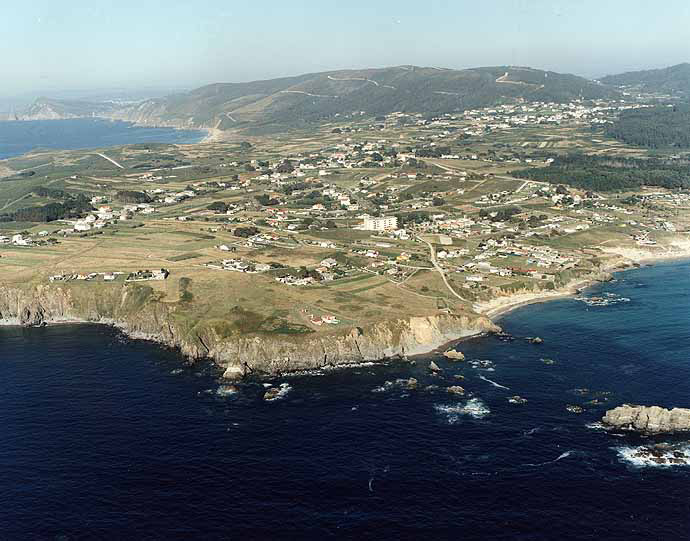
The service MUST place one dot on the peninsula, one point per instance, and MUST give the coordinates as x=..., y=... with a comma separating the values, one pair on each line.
x=352, y=236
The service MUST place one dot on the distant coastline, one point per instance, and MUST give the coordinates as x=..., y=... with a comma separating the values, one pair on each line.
x=19, y=137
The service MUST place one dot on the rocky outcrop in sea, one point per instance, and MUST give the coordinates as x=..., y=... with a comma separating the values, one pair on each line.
x=647, y=420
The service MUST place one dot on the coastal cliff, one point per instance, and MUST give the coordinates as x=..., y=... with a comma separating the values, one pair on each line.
x=142, y=315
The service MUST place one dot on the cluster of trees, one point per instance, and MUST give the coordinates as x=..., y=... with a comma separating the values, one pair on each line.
x=656, y=127
x=416, y=217
x=266, y=200
x=246, y=232
x=432, y=152
x=601, y=173
x=131, y=196
x=313, y=198
x=218, y=206
x=298, y=186
x=502, y=214
x=72, y=207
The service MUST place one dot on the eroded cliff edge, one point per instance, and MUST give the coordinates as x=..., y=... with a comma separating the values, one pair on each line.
x=142, y=315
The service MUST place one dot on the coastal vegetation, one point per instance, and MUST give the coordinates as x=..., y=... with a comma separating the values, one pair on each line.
x=611, y=173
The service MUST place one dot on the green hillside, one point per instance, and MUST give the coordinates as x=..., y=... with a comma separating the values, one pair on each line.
x=294, y=100
x=657, y=127
x=674, y=79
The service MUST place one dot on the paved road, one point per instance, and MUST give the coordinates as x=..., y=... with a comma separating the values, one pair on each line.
x=110, y=160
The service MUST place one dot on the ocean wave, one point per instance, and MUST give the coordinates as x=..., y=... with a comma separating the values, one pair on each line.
x=474, y=408
x=226, y=390
x=497, y=385
x=606, y=299
x=400, y=383
x=559, y=457
x=277, y=393
x=662, y=455
x=482, y=365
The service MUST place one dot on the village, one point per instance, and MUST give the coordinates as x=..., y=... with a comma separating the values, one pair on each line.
x=393, y=201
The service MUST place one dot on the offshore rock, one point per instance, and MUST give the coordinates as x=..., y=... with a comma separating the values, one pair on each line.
x=454, y=355
x=647, y=419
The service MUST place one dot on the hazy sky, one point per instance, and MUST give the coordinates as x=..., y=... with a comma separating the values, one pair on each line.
x=52, y=45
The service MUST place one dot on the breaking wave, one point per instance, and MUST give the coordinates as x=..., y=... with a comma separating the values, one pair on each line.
x=474, y=408
x=655, y=456
x=559, y=457
x=281, y=392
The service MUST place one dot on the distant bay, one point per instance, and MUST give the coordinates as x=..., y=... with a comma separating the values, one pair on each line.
x=20, y=137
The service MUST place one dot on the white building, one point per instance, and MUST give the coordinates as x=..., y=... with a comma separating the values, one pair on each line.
x=384, y=223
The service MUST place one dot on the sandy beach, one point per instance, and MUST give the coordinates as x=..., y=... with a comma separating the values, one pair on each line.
x=628, y=258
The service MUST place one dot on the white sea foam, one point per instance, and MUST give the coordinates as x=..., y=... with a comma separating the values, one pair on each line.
x=655, y=456
x=482, y=365
x=283, y=390
x=559, y=457
x=606, y=299
x=497, y=385
x=453, y=412
x=225, y=390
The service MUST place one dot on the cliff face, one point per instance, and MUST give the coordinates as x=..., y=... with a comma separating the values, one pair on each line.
x=648, y=419
x=140, y=315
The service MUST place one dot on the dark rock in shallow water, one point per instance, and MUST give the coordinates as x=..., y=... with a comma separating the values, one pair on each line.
x=504, y=336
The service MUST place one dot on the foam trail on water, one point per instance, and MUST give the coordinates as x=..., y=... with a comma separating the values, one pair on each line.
x=494, y=383
x=559, y=457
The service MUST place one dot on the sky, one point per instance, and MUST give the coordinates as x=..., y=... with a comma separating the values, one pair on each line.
x=49, y=46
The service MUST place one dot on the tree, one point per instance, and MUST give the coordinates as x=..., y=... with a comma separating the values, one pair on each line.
x=218, y=206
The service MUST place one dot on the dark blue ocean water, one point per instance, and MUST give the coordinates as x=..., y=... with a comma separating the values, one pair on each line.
x=105, y=438
x=17, y=138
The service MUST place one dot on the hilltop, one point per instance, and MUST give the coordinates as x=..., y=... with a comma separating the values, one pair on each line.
x=673, y=80
x=292, y=101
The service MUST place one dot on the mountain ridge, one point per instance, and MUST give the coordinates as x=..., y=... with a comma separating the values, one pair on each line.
x=673, y=79
x=317, y=96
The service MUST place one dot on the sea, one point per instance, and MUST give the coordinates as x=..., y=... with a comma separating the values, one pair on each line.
x=20, y=137
x=102, y=437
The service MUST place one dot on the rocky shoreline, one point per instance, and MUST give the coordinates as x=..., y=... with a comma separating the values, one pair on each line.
x=239, y=356
x=272, y=355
